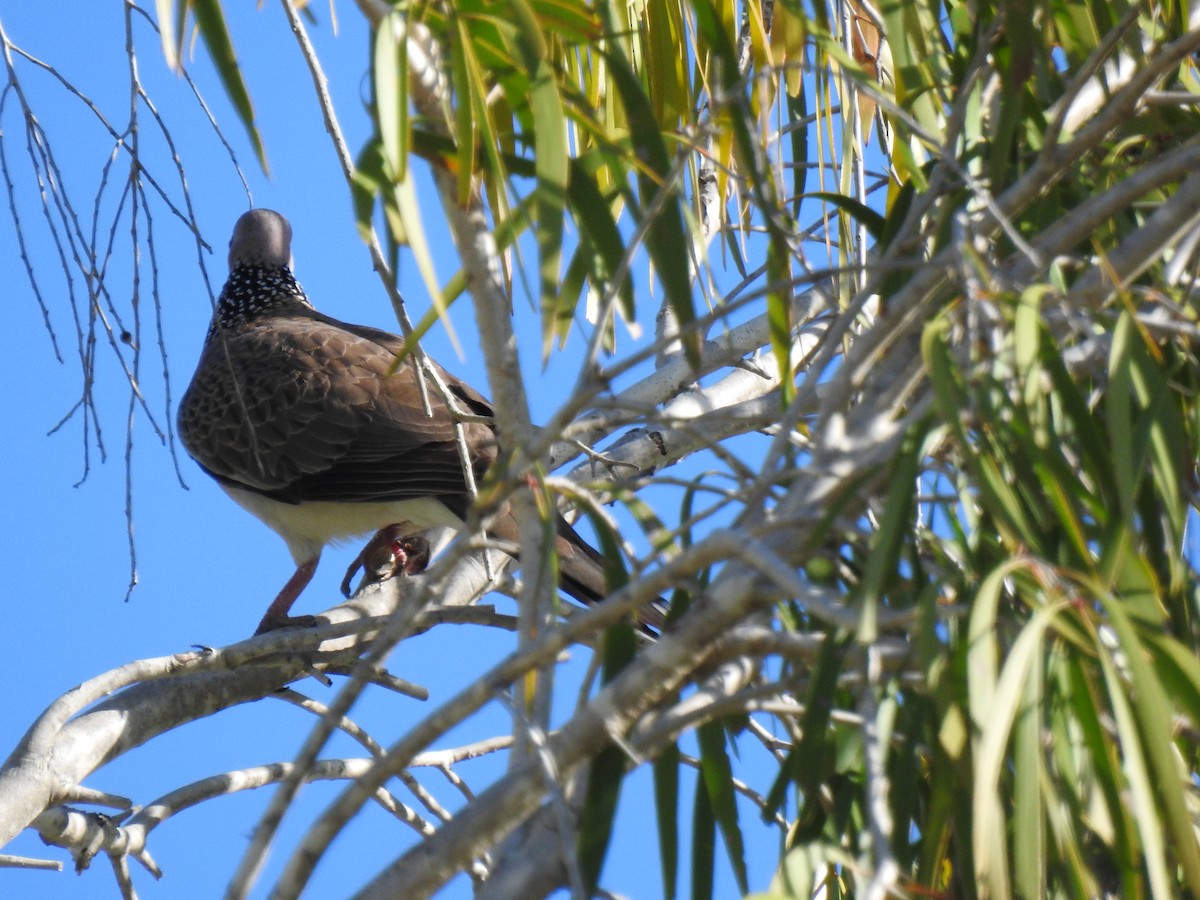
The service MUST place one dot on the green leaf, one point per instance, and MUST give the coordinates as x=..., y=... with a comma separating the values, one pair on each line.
x=210, y=20
x=1000, y=495
x=404, y=193
x=704, y=843
x=613, y=560
x=889, y=539
x=1109, y=811
x=1029, y=851
x=990, y=816
x=798, y=111
x=983, y=652
x=1139, y=794
x=1090, y=435
x=1118, y=403
x=1027, y=340
x=1152, y=714
x=666, y=238
x=897, y=212
x=469, y=115
x=552, y=174
x=735, y=114
x=1164, y=435
x=718, y=779
x=551, y=158
x=811, y=760
x=505, y=233
x=593, y=214
x=666, y=67
x=779, y=315
x=170, y=30
x=390, y=78
x=1178, y=670
x=369, y=182
x=914, y=37
x=574, y=279
x=605, y=777
x=857, y=210
x=666, y=811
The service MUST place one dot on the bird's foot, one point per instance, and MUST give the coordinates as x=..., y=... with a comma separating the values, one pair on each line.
x=389, y=553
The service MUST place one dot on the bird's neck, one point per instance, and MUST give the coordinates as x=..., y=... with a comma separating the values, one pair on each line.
x=255, y=291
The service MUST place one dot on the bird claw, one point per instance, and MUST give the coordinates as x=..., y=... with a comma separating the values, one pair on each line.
x=389, y=553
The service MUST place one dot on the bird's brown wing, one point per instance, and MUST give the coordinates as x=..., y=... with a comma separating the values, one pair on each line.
x=302, y=408
x=471, y=401
x=580, y=566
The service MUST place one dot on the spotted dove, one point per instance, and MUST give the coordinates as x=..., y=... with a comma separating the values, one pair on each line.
x=300, y=419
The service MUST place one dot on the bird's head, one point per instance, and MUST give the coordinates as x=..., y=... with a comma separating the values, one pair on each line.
x=261, y=237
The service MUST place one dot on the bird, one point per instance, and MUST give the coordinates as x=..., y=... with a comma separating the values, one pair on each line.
x=308, y=423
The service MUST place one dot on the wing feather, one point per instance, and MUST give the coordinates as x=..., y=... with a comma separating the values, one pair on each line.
x=303, y=408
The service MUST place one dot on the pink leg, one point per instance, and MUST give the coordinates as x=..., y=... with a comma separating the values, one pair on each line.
x=276, y=615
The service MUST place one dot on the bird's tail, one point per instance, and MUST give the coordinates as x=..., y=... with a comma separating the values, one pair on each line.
x=581, y=568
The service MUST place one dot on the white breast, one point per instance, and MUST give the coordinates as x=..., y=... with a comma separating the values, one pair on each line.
x=307, y=527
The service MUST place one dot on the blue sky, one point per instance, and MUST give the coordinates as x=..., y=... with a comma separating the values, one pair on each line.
x=206, y=569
